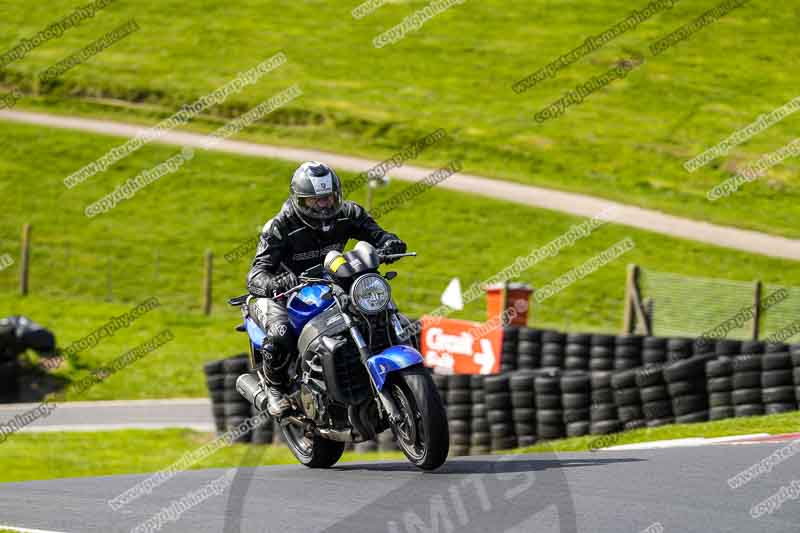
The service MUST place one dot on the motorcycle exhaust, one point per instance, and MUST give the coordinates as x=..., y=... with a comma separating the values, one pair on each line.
x=251, y=390
x=339, y=435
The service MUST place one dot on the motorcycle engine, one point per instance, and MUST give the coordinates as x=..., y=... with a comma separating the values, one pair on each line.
x=311, y=404
x=312, y=387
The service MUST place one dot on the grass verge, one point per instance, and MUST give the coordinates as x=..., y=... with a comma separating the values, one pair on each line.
x=31, y=456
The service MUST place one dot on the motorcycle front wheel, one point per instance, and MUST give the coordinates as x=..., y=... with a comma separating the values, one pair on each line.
x=422, y=434
x=314, y=452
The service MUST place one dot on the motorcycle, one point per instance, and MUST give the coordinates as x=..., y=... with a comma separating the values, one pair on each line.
x=355, y=372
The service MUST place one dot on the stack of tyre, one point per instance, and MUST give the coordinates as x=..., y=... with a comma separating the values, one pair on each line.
x=523, y=405
x=552, y=349
x=679, y=348
x=752, y=347
x=529, y=348
x=549, y=411
x=729, y=348
x=480, y=442
x=603, y=411
x=686, y=383
x=746, y=381
x=215, y=382
x=656, y=403
x=459, y=412
x=654, y=351
x=497, y=389
x=577, y=351
x=627, y=352
x=628, y=399
x=8, y=362
x=509, y=353
x=777, y=380
x=575, y=399
x=701, y=346
x=228, y=406
x=795, y=353
x=719, y=373
x=440, y=380
x=601, y=352
x=776, y=347
x=9, y=385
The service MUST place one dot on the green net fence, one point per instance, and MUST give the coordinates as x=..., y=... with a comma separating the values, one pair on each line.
x=690, y=306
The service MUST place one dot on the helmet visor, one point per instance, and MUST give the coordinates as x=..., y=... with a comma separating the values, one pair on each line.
x=320, y=207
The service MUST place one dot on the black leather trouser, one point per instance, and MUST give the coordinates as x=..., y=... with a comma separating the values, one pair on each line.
x=273, y=319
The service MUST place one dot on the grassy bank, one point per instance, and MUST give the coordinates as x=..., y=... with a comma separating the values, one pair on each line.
x=627, y=141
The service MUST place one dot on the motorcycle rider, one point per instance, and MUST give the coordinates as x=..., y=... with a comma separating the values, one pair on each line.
x=313, y=221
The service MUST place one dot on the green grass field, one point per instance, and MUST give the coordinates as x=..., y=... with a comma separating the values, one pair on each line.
x=86, y=270
x=626, y=142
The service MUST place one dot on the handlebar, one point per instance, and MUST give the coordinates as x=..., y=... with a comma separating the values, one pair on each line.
x=393, y=257
x=305, y=278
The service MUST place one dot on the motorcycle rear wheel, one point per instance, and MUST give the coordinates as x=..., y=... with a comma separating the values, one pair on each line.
x=423, y=434
x=314, y=452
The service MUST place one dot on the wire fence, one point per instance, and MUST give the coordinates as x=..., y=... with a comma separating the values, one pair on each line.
x=781, y=320
x=691, y=306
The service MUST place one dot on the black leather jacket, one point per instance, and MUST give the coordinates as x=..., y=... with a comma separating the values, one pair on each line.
x=286, y=241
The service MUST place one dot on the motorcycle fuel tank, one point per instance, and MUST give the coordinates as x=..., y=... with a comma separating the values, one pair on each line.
x=307, y=303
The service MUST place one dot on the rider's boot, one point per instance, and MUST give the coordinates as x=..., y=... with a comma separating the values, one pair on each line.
x=277, y=403
x=277, y=387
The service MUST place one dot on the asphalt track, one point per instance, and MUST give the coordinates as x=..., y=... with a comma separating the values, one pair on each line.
x=672, y=490
x=562, y=201
x=107, y=416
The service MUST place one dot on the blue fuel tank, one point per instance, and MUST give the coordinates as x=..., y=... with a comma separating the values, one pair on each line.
x=307, y=303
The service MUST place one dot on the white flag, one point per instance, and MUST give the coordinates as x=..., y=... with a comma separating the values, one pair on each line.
x=451, y=297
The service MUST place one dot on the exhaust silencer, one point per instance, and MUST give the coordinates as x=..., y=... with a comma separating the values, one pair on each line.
x=251, y=390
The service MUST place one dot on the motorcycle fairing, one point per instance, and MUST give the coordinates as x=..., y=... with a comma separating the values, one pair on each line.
x=390, y=360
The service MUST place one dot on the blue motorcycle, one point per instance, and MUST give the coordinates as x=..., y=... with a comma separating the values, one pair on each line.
x=356, y=372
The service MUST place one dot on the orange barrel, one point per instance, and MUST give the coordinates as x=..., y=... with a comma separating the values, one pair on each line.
x=518, y=296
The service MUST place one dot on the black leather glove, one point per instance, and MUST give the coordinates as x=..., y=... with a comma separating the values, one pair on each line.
x=282, y=282
x=393, y=246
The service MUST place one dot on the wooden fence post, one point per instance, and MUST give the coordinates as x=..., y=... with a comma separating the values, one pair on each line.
x=649, y=310
x=370, y=195
x=25, y=259
x=634, y=308
x=629, y=314
x=757, y=309
x=207, y=285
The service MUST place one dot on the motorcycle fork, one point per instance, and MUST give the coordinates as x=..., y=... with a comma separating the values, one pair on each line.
x=385, y=401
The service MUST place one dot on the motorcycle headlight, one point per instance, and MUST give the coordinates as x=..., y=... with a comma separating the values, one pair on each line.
x=370, y=293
